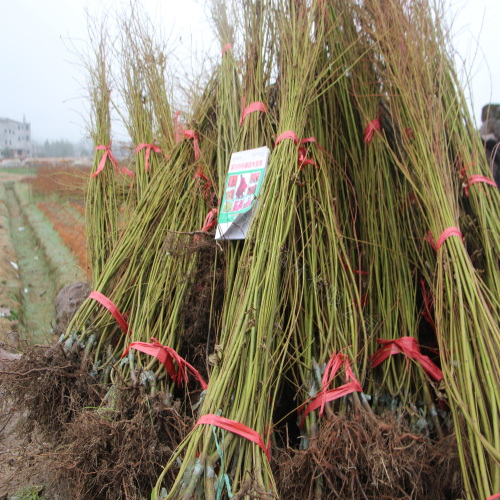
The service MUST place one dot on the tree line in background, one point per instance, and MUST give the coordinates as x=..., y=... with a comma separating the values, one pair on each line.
x=62, y=148
x=56, y=149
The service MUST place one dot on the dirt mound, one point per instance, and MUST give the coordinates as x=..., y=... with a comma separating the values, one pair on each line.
x=68, y=300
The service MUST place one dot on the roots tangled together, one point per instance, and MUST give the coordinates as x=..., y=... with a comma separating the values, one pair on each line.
x=352, y=460
x=118, y=453
x=49, y=386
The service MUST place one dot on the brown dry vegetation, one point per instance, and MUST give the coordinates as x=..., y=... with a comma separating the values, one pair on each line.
x=62, y=178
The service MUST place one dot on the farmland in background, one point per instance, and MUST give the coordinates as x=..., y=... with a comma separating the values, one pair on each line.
x=58, y=188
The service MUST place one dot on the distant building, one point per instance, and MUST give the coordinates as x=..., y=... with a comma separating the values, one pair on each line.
x=15, y=136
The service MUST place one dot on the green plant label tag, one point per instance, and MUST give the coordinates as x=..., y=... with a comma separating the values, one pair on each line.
x=247, y=170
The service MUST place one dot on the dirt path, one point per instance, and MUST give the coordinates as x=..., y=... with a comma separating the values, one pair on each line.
x=38, y=288
x=8, y=177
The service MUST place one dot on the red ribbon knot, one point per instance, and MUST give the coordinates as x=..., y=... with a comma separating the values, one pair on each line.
x=188, y=134
x=228, y=46
x=166, y=356
x=410, y=348
x=302, y=153
x=148, y=147
x=107, y=154
x=201, y=175
x=336, y=362
x=210, y=220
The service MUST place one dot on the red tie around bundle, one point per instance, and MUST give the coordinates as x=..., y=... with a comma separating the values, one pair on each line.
x=252, y=108
x=474, y=179
x=103, y=300
x=191, y=134
x=289, y=134
x=494, y=497
x=226, y=47
x=148, y=147
x=336, y=362
x=166, y=356
x=409, y=133
x=302, y=154
x=451, y=231
x=126, y=171
x=370, y=130
x=107, y=154
x=314, y=141
x=188, y=134
x=303, y=160
x=409, y=347
x=210, y=220
x=201, y=175
x=236, y=428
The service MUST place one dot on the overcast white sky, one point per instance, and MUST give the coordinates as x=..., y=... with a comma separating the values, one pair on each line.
x=38, y=80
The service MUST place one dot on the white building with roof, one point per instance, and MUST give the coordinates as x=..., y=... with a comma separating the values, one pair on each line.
x=15, y=136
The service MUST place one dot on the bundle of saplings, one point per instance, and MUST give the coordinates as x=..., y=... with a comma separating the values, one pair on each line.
x=347, y=343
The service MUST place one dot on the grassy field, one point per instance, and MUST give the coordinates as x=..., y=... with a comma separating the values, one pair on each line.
x=20, y=171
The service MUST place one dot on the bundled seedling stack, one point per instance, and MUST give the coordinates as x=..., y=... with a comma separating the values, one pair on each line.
x=349, y=346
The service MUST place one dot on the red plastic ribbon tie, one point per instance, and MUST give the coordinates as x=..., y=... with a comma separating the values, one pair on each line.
x=107, y=154
x=336, y=362
x=451, y=231
x=409, y=347
x=252, y=108
x=201, y=175
x=303, y=160
x=191, y=134
x=370, y=129
x=409, y=133
x=474, y=179
x=148, y=147
x=210, y=220
x=166, y=355
x=302, y=154
x=236, y=428
x=103, y=300
x=126, y=171
x=494, y=497
x=289, y=134
x=313, y=140
x=226, y=47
